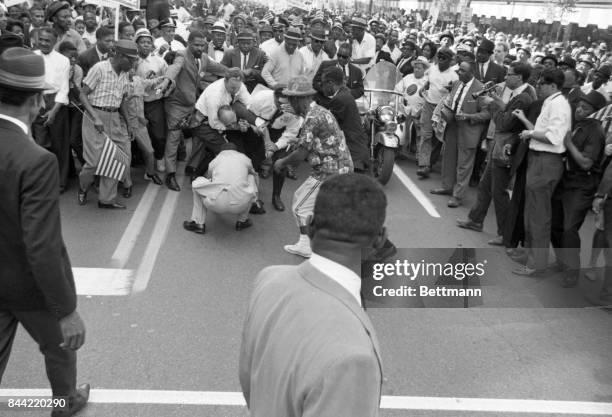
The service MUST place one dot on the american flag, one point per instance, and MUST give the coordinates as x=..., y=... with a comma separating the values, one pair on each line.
x=605, y=117
x=268, y=16
x=113, y=161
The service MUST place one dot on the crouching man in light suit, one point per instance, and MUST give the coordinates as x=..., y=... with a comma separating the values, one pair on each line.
x=230, y=188
x=308, y=347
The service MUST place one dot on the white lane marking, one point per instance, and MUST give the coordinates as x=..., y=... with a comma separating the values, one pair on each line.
x=103, y=281
x=130, y=235
x=499, y=405
x=416, y=191
x=158, y=236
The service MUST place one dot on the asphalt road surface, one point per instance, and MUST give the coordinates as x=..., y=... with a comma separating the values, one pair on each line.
x=164, y=311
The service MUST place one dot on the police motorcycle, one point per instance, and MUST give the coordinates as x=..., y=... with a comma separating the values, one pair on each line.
x=379, y=108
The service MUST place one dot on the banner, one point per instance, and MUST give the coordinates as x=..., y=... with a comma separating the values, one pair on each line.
x=130, y=4
x=466, y=15
x=298, y=4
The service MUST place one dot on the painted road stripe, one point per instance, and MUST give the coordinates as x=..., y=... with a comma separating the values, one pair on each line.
x=416, y=191
x=110, y=396
x=130, y=235
x=103, y=281
x=158, y=236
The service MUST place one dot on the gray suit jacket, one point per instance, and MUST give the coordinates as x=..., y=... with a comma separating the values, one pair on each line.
x=257, y=58
x=308, y=348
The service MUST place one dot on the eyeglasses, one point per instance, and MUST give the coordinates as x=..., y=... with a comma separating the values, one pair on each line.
x=343, y=56
x=316, y=41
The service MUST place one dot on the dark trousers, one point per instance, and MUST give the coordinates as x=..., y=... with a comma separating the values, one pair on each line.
x=45, y=330
x=250, y=144
x=492, y=186
x=157, y=128
x=606, y=292
x=514, y=222
x=55, y=137
x=207, y=142
x=544, y=170
x=569, y=208
x=76, y=129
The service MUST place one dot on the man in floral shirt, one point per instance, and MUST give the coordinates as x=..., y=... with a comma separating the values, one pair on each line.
x=322, y=142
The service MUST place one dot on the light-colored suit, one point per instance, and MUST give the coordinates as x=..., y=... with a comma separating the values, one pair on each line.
x=461, y=138
x=308, y=348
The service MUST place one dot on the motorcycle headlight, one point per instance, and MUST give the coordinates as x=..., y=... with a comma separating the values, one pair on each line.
x=386, y=114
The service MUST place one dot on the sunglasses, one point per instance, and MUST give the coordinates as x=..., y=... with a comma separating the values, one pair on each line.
x=343, y=56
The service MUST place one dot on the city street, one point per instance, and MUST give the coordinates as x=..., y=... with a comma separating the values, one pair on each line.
x=164, y=310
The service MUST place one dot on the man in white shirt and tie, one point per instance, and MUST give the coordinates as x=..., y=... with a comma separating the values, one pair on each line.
x=545, y=168
x=50, y=129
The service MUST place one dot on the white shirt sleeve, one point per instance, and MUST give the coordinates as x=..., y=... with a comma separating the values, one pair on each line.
x=63, y=68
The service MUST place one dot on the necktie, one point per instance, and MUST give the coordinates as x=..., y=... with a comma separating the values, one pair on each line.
x=482, y=74
x=458, y=98
x=244, y=60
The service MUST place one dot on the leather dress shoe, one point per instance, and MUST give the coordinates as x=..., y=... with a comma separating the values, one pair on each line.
x=441, y=191
x=127, y=192
x=570, y=281
x=194, y=227
x=468, y=224
x=244, y=224
x=529, y=272
x=76, y=403
x=291, y=174
x=171, y=183
x=257, y=208
x=155, y=178
x=454, y=202
x=82, y=197
x=278, y=203
x=423, y=172
x=114, y=205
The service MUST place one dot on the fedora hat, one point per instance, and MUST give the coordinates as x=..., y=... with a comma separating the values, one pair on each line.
x=359, y=22
x=266, y=28
x=167, y=23
x=218, y=27
x=127, y=48
x=421, y=60
x=318, y=34
x=293, y=33
x=487, y=46
x=299, y=86
x=9, y=40
x=22, y=70
x=245, y=36
x=595, y=99
x=605, y=70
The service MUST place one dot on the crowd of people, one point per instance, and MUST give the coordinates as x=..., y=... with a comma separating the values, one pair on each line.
x=241, y=94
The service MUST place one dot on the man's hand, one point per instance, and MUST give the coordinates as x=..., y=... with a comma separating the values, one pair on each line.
x=507, y=149
x=460, y=116
x=567, y=140
x=426, y=86
x=49, y=117
x=98, y=124
x=287, y=108
x=279, y=165
x=597, y=204
x=519, y=114
x=73, y=331
x=247, y=72
x=608, y=149
x=243, y=125
x=525, y=134
x=163, y=49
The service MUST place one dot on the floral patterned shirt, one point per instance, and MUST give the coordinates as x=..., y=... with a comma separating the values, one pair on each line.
x=322, y=137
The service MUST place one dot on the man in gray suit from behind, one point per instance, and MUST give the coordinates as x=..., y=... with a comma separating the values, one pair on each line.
x=308, y=347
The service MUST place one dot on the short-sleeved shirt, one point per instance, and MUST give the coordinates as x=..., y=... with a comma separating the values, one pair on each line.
x=107, y=87
x=322, y=137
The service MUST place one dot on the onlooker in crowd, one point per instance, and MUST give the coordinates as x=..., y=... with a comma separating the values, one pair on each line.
x=59, y=14
x=105, y=44
x=37, y=287
x=352, y=75
x=335, y=369
x=248, y=58
x=363, y=45
x=285, y=62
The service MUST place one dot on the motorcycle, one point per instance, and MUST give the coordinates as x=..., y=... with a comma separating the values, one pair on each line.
x=379, y=110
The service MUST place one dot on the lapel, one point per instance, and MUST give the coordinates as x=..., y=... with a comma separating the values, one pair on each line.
x=326, y=284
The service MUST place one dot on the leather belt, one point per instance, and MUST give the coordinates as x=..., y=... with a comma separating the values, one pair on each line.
x=107, y=109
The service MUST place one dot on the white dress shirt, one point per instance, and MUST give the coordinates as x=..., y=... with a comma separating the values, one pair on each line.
x=269, y=46
x=464, y=91
x=91, y=37
x=312, y=62
x=483, y=68
x=588, y=87
x=555, y=120
x=18, y=122
x=263, y=106
x=215, y=96
x=349, y=280
x=365, y=48
x=151, y=64
x=57, y=74
x=174, y=44
x=396, y=53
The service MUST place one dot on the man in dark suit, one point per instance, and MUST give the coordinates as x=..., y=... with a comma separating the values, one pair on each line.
x=486, y=71
x=248, y=58
x=335, y=369
x=381, y=55
x=105, y=40
x=467, y=117
x=352, y=75
x=37, y=287
x=409, y=54
x=184, y=75
x=344, y=109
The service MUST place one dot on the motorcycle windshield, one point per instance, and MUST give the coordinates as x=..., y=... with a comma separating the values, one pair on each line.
x=379, y=87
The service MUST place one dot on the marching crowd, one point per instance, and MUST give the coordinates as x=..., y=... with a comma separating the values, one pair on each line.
x=500, y=111
x=241, y=94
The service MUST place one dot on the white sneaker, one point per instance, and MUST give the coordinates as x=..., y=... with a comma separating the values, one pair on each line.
x=300, y=250
x=160, y=166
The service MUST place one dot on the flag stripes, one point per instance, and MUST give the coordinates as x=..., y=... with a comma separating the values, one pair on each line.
x=113, y=161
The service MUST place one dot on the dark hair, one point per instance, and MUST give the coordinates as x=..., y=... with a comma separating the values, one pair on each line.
x=138, y=23
x=349, y=208
x=550, y=58
x=81, y=21
x=334, y=74
x=103, y=32
x=196, y=34
x=13, y=22
x=521, y=69
x=14, y=97
x=123, y=25
x=432, y=47
x=346, y=45
x=66, y=46
x=553, y=76
x=47, y=29
x=36, y=8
